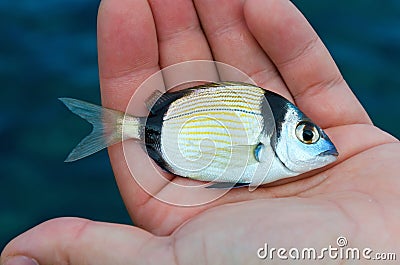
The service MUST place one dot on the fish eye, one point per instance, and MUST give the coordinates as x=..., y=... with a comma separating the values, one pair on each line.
x=307, y=132
x=257, y=152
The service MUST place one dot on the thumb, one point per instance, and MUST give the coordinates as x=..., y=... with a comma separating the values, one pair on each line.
x=78, y=241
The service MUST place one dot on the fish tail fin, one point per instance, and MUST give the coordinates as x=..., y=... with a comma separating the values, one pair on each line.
x=107, y=127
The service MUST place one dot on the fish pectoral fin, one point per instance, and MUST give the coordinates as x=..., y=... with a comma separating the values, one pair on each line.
x=227, y=185
x=241, y=152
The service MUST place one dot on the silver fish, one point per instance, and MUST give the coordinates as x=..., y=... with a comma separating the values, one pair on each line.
x=229, y=133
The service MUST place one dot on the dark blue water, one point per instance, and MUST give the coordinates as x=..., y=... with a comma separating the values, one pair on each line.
x=48, y=50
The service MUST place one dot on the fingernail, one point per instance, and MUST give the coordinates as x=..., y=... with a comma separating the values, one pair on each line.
x=20, y=260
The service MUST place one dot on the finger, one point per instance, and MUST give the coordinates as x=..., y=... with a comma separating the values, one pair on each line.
x=128, y=55
x=180, y=38
x=304, y=63
x=77, y=241
x=127, y=49
x=232, y=42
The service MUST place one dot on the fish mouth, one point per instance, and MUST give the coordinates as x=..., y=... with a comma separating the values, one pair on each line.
x=330, y=152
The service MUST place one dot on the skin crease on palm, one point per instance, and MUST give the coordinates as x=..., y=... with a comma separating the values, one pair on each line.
x=357, y=197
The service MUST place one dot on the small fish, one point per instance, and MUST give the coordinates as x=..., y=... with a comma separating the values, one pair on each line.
x=228, y=133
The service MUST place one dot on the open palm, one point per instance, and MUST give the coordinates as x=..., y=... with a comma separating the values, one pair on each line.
x=358, y=197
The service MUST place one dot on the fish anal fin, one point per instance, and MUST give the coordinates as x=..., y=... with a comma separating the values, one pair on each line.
x=227, y=185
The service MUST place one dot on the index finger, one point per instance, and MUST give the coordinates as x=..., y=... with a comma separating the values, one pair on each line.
x=305, y=64
x=128, y=55
x=127, y=49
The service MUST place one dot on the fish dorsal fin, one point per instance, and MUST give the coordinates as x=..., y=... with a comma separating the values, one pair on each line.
x=221, y=84
x=159, y=100
x=152, y=99
x=231, y=83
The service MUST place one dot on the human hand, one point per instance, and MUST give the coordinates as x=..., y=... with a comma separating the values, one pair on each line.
x=273, y=43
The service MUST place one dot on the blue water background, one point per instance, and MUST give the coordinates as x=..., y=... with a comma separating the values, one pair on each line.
x=48, y=50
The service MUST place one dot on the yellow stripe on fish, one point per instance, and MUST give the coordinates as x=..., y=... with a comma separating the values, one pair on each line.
x=229, y=118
